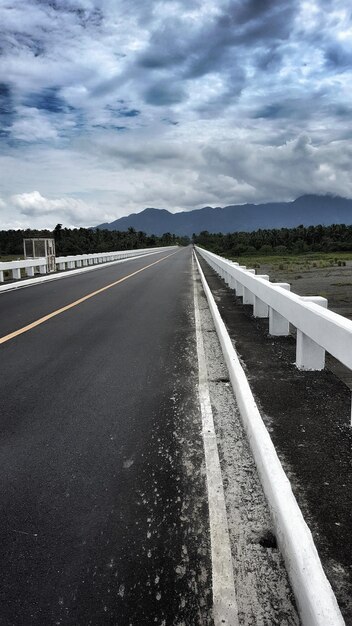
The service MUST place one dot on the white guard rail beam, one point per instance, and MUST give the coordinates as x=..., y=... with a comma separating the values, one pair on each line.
x=30, y=266
x=318, y=330
x=315, y=599
x=70, y=262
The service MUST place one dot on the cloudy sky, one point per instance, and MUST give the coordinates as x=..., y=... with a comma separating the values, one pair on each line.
x=111, y=106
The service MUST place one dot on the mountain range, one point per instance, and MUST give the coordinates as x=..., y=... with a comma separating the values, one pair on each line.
x=309, y=210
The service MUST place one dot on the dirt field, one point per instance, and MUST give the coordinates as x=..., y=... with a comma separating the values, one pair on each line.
x=333, y=283
x=322, y=275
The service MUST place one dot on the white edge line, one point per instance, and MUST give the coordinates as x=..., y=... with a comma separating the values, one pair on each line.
x=225, y=611
x=315, y=598
x=67, y=273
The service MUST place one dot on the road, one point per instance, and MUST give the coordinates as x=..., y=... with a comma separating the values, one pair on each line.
x=103, y=501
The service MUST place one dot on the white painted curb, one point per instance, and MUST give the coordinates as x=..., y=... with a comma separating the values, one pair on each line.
x=225, y=609
x=315, y=598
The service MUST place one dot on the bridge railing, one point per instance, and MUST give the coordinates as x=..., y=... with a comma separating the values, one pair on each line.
x=318, y=330
x=81, y=260
x=32, y=266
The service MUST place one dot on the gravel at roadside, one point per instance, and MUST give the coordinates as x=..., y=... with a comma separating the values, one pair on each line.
x=263, y=591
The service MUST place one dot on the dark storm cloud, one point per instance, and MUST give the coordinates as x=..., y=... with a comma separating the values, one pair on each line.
x=165, y=93
x=48, y=99
x=241, y=34
x=338, y=57
x=215, y=44
x=24, y=41
x=85, y=16
x=343, y=111
x=129, y=112
x=268, y=60
x=272, y=111
x=6, y=109
x=257, y=21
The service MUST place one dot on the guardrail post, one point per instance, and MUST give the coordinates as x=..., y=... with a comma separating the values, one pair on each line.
x=232, y=281
x=42, y=269
x=260, y=308
x=16, y=273
x=1, y=276
x=239, y=286
x=30, y=271
x=279, y=325
x=309, y=355
x=248, y=296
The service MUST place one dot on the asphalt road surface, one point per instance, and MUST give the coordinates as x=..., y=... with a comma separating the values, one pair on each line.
x=103, y=510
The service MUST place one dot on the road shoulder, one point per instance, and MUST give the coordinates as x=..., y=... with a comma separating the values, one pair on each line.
x=263, y=592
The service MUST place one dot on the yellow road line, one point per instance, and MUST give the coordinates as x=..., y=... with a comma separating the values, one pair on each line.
x=41, y=320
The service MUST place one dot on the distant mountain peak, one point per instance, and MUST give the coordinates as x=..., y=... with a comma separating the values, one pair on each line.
x=152, y=210
x=308, y=209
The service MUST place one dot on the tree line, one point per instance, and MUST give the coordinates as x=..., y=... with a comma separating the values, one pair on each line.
x=263, y=242
x=279, y=241
x=86, y=240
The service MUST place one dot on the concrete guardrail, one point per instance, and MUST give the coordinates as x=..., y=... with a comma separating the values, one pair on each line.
x=33, y=266
x=318, y=330
x=316, y=601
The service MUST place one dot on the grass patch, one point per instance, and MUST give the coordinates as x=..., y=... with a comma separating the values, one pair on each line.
x=8, y=257
x=296, y=262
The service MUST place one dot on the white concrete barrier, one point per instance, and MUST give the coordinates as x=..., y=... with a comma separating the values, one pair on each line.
x=32, y=266
x=79, y=260
x=318, y=330
x=316, y=601
x=29, y=265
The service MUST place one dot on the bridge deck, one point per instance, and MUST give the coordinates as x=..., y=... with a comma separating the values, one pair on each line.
x=104, y=511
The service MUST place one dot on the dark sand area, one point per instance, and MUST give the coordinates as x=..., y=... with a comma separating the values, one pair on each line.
x=333, y=283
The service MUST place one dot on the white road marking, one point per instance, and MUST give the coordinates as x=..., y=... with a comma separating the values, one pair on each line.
x=225, y=611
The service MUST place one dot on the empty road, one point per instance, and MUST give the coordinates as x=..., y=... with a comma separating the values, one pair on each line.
x=103, y=508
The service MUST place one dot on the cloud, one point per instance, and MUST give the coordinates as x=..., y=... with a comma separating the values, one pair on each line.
x=69, y=210
x=106, y=107
x=165, y=93
x=32, y=125
x=339, y=57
